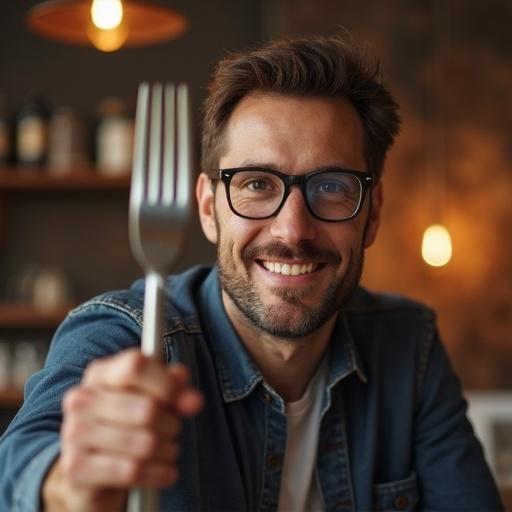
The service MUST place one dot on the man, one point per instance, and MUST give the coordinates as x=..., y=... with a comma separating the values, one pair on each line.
x=288, y=387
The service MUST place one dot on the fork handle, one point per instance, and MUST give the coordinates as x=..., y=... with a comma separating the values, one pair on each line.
x=152, y=327
x=146, y=500
x=142, y=500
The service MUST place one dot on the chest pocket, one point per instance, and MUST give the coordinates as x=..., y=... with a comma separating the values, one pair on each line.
x=396, y=496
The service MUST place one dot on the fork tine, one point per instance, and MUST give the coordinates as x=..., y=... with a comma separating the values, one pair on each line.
x=169, y=163
x=184, y=147
x=155, y=145
x=138, y=186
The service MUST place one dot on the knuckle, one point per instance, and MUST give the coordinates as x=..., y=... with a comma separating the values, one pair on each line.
x=92, y=369
x=130, y=471
x=148, y=445
x=135, y=363
x=74, y=399
x=148, y=412
x=72, y=462
x=73, y=430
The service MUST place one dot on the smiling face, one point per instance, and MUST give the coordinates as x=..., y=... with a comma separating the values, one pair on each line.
x=289, y=274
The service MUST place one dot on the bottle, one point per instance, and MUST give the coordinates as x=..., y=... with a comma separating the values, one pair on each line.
x=114, y=139
x=31, y=132
x=5, y=132
x=67, y=144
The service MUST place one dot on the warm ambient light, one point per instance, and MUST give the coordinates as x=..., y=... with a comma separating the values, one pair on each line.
x=107, y=32
x=436, y=247
x=106, y=14
x=107, y=24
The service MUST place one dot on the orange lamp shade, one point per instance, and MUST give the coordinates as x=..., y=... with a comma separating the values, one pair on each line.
x=70, y=21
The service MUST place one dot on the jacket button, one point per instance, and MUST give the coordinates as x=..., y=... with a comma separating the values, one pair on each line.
x=267, y=397
x=401, y=502
x=272, y=460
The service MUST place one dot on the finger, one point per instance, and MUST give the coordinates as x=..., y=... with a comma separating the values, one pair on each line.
x=179, y=375
x=190, y=402
x=131, y=370
x=122, y=407
x=113, y=470
x=86, y=434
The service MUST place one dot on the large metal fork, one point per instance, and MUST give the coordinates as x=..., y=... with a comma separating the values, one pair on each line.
x=160, y=205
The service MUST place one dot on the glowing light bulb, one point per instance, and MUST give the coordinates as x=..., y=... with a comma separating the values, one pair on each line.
x=436, y=247
x=106, y=29
x=107, y=14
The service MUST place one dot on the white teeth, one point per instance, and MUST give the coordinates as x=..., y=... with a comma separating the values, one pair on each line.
x=288, y=270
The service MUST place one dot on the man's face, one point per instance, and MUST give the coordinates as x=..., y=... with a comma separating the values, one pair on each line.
x=288, y=274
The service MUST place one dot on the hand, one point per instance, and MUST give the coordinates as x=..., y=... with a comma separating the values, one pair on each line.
x=120, y=430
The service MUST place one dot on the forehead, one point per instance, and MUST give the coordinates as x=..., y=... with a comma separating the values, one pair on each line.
x=295, y=133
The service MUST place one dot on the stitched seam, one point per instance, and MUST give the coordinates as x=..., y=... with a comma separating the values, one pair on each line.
x=263, y=466
x=136, y=315
x=231, y=396
x=425, y=353
x=133, y=313
x=407, y=484
x=347, y=454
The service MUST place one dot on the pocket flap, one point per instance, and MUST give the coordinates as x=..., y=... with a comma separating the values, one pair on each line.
x=396, y=496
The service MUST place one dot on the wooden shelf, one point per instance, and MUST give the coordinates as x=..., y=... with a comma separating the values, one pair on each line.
x=15, y=315
x=11, y=397
x=39, y=178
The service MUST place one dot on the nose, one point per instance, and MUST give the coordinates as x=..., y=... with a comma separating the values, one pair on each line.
x=294, y=223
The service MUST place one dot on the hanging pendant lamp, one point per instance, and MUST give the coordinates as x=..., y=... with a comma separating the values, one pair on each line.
x=106, y=24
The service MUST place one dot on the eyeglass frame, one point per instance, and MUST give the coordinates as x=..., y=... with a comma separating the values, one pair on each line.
x=366, y=180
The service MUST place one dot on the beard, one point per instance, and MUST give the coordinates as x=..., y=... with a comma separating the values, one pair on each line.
x=291, y=318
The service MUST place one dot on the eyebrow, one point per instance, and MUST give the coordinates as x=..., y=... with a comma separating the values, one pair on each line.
x=259, y=165
x=250, y=164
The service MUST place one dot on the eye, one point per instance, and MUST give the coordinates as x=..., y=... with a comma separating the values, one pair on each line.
x=336, y=186
x=258, y=184
x=331, y=187
x=255, y=183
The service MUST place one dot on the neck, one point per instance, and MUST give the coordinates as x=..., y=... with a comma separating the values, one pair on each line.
x=287, y=365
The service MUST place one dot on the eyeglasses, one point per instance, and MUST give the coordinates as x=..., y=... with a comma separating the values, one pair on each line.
x=332, y=194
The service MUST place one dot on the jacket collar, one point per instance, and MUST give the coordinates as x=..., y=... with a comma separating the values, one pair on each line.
x=238, y=375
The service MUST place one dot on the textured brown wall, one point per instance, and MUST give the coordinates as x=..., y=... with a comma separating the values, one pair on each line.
x=449, y=64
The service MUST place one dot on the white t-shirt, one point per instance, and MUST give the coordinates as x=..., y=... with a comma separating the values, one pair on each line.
x=300, y=490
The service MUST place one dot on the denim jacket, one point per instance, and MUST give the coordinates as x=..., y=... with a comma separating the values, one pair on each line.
x=393, y=434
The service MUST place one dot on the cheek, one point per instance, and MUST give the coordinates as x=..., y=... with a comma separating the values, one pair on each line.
x=234, y=233
x=347, y=236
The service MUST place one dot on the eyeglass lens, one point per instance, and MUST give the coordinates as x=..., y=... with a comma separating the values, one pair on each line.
x=330, y=195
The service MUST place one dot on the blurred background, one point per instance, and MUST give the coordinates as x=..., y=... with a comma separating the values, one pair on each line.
x=63, y=198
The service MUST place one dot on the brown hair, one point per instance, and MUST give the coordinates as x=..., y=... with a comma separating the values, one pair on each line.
x=317, y=66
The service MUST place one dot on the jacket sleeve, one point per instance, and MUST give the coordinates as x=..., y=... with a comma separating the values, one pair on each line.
x=452, y=472
x=31, y=442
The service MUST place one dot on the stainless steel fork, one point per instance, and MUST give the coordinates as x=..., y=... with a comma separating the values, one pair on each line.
x=160, y=206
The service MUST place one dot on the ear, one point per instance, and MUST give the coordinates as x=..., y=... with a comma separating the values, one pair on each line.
x=373, y=222
x=206, y=204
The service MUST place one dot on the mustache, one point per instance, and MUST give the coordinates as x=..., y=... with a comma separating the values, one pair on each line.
x=302, y=251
